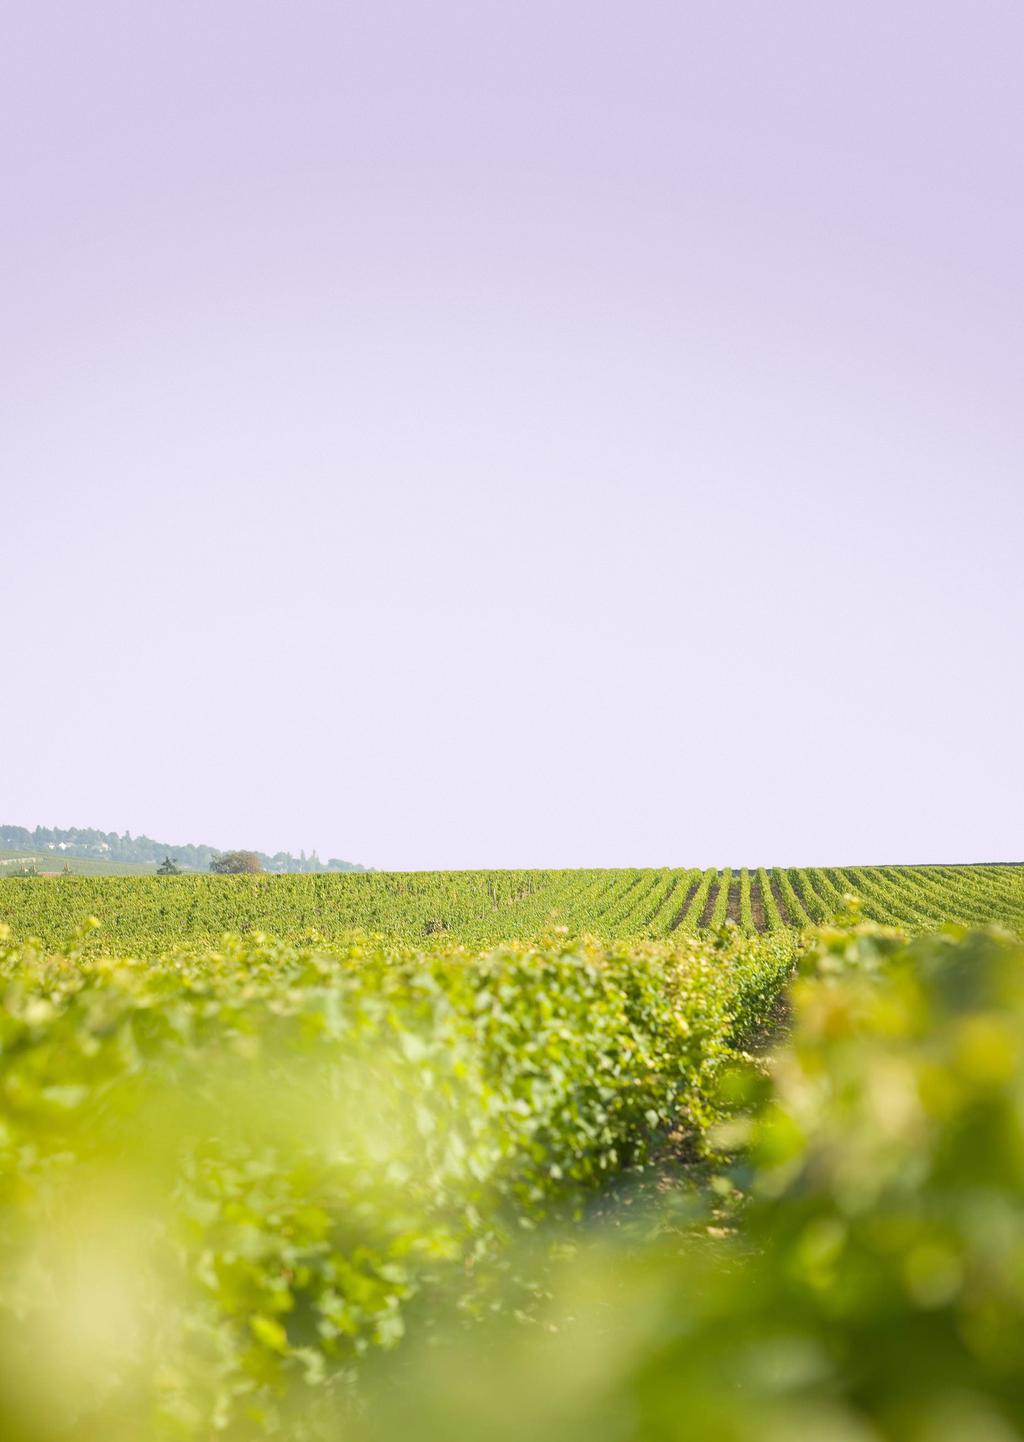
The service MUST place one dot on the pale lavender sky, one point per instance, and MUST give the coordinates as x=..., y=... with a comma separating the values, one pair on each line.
x=543, y=433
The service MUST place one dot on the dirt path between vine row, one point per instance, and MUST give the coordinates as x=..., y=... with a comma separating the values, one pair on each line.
x=757, y=904
x=691, y=892
x=734, y=911
x=637, y=1201
x=784, y=916
x=709, y=905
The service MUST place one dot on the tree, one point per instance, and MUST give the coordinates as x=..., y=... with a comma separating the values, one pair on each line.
x=230, y=862
x=168, y=867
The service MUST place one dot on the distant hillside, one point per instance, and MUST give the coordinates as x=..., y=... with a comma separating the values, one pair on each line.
x=49, y=847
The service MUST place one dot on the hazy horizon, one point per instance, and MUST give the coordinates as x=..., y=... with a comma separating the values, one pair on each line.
x=735, y=863
x=464, y=436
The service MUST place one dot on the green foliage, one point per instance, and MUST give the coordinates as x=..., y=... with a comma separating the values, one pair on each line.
x=234, y=1176
x=256, y=1163
x=870, y=1285
x=145, y=916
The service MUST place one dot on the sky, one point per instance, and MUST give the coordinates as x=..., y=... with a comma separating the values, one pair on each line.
x=555, y=433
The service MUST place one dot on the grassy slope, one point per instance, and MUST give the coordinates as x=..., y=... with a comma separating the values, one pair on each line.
x=78, y=865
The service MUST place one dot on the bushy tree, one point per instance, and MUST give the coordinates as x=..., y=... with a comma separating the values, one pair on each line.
x=236, y=861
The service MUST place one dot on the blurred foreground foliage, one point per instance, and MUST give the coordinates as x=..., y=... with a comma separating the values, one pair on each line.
x=874, y=1285
x=230, y=1181
x=228, y=1176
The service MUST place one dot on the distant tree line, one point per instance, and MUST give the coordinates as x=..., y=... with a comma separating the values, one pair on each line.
x=108, y=845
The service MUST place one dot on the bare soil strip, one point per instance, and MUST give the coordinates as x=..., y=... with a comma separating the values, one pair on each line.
x=709, y=905
x=757, y=904
x=690, y=892
x=784, y=916
x=733, y=911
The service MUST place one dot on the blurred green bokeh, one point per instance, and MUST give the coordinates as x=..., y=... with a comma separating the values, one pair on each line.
x=232, y=1182
x=228, y=1176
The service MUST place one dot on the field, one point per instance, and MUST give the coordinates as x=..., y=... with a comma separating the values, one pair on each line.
x=146, y=916
x=13, y=861
x=573, y=1155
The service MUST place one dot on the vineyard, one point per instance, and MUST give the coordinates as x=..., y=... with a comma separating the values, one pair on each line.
x=855, y=1273
x=260, y=1163
x=145, y=915
x=671, y=1154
